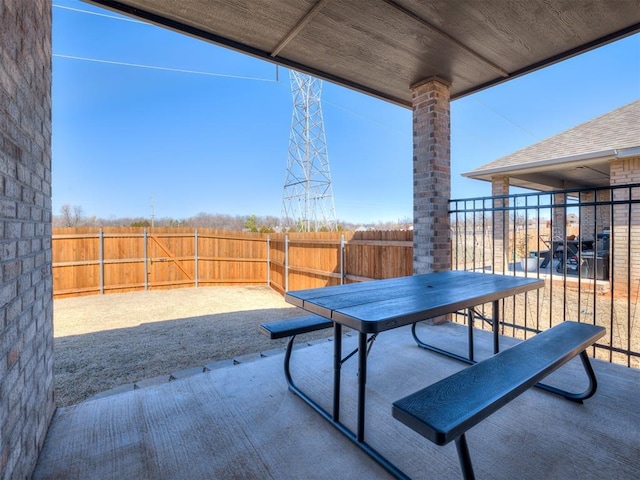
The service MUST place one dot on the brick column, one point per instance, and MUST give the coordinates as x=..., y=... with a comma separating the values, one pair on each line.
x=594, y=219
x=26, y=305
x=559, y=216
x=625, y=233
x=431, y=176
x=500, y=186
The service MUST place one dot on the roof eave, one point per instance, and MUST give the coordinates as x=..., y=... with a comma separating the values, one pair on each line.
x=551, y=163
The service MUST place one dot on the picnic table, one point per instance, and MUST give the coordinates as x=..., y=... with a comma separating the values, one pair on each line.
x=374, y=307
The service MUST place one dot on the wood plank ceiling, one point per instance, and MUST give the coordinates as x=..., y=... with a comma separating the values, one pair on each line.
x=383, y=47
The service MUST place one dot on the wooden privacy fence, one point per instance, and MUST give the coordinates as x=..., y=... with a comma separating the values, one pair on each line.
x=91, y=260
x=310, y=260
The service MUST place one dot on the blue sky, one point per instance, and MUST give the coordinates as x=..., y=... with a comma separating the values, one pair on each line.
x=125, y=137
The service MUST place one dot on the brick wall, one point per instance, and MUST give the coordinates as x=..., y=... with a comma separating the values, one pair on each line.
x=431, y=177
x=626, y=226
x=26, y=325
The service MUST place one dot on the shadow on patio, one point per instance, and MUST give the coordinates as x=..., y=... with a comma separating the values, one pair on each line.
x=242, y=422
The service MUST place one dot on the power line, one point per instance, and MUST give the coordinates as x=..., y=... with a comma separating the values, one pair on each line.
x=224, y=75
x=124, y=19
x=100, y=14
x=135, y=65
x=351, y=112
x=167, y=69
x=365, y=117
x=488, y=107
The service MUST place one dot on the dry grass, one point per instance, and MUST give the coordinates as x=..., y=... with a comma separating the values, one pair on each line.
x=109, y=340
x=104, y=341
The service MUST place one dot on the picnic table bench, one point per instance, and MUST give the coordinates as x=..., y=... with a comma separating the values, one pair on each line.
x=294, y=326
x=290, y=328
x=445, y=410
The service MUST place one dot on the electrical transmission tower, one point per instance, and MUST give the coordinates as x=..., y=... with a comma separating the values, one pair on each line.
x=307, y=199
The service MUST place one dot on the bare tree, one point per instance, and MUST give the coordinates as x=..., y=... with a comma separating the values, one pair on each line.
x=71, y=215
x=74, y=216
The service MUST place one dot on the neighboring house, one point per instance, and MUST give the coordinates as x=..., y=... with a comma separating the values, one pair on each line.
x=603, y=152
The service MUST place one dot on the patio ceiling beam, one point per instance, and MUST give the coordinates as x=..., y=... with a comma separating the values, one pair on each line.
x=301, y=24
x=447, y=37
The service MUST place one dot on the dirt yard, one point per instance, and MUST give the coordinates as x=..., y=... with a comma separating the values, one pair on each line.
x=104, y=341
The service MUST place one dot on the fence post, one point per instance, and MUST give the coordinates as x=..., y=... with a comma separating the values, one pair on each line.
x=146, y=268
x=342, y=273
x=101, y=259
x=286, y=263
x=195, y=255
x=268, y=261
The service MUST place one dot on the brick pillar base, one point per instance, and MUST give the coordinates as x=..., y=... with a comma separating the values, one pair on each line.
x=431, y=176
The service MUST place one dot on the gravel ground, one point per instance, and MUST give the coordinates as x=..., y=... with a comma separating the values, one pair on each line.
x=105, y=341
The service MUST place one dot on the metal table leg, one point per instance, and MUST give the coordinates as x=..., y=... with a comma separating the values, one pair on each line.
x=337, y=367
x=362, y=383
x=496, y=325
x=356, y=438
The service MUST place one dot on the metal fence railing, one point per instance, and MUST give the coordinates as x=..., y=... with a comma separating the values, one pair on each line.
x=585, y=243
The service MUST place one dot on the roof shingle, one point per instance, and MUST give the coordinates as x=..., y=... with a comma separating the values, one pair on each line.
x=618, y=129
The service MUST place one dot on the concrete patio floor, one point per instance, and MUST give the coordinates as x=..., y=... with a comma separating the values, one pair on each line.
x=241, y=422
